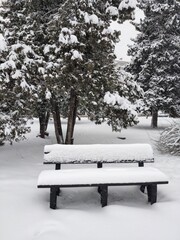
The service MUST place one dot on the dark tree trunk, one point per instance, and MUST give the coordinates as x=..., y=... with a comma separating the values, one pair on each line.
x=71, y=117
x=57, y=122
x=58, y=139
x=43, y=123
x=47, y=120
x=42, y=126
x=154, y=120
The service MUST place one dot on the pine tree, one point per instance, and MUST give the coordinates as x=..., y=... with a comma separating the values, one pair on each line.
x=14, y=90
x=71, y=59
x=86, y=60
x=23, y=52
x=156, y=57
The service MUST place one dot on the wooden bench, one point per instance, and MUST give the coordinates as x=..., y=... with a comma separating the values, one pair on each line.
x=100, y=177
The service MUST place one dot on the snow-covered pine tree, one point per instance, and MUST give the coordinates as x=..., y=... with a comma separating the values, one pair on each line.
x=86, y=59
x=156, y=56
x=72, y=58
x=37, y=18
x=15, y=99
x=23, y=31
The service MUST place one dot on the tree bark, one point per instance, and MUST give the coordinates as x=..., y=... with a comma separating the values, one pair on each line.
x=43, y=115
x=71, y=117
x=42, y=126
x=47, y=119
x=59, y=125
x=154, y=120
x=57, y=122
x=43, y=123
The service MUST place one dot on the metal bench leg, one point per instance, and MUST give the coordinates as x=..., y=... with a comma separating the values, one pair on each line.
x=142, y=188
x=53, y=197
x=141, y=164
x=104, y=195
x=58, y=191
x=152, y=193
x=99, y=165
x=99, y=190
x=58, y=167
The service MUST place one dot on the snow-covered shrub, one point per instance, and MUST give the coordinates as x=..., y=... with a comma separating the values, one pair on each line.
x=170, y=140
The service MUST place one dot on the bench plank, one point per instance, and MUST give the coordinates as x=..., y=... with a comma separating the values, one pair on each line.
x=123, y=176
x=94, y=153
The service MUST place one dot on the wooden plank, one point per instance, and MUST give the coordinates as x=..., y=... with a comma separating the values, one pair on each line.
x=96, y=161
x=98, y=184
x=85, y=153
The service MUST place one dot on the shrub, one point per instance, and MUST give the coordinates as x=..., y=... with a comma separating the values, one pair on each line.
x=169, y=141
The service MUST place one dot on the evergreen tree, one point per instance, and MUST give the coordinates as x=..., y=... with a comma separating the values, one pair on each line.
x=66, y=51
x=156, y=56
x=85, y=46
x=14, y=90
x=23, y=65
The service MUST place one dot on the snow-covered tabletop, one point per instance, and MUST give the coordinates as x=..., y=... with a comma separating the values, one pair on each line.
x=94, y=153
x=101, y=176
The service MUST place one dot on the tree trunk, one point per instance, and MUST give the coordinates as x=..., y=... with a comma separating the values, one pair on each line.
x=71, y=117
x=42, y=125
x=47, y=119
x=58, y=139
x=43, y=114
x=57, y=122
x=154, y=120
x=59, y=125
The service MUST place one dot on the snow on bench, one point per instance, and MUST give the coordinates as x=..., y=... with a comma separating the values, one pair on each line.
x=98, y=153
x=104, y=177
x=96, y=176
x=100, y=177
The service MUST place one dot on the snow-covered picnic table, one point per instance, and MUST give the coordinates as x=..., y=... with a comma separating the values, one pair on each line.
x=101, y=177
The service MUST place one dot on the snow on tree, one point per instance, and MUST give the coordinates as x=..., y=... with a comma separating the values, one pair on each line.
x=87, y=69
x=155, y=56
x=14, y=89
x=71, y=48
x=25, y=70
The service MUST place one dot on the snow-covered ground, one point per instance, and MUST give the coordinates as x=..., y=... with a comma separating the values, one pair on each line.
x=25, y=212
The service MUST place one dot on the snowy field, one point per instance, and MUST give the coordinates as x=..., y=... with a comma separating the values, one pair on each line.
x=25, y=212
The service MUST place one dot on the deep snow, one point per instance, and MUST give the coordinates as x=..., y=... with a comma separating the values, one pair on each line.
x=25, y=212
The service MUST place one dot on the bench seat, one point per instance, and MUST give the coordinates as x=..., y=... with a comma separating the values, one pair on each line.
x=102, y=178
x=96, y=176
